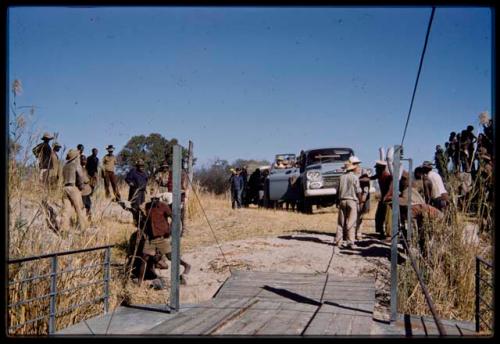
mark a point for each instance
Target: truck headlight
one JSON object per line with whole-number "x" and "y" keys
{"x": 315, "y": 185}
{"x": 313, "y": 176}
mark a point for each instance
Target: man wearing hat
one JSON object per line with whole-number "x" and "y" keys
{"x": 236, "y": 182}
{"x": 384, "y": 181}
{"x": 349, "y": 195}
{"x": 137, "y": 179}
{"x": 364, "y": 182}
{"x": 438, "y": 195}
{"x": 108, "y": 164}
{"x": 72, "y": 197}
{"x": 55, "y": 170}
{"x": 43, "y": 152}
{"x": 161, "y": 178}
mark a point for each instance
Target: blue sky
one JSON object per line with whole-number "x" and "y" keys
{"x": 252, "y": 82}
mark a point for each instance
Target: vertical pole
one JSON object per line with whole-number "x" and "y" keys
{"x": 176, "y": 227}
{"x": 53, "y": 292}
{"x": 107, "y": 257}
{"x": 190, "y": 179}
{"x": 394, "y": 233}
{"x": 409, "y": 215}
{"x": 478, "y": 271}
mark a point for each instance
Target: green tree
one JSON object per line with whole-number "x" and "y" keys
{"x": 153, "y": 149}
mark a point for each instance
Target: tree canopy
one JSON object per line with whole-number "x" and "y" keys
{"x": 154, "y": 149}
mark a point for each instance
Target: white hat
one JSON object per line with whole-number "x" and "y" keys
{"x": 354, "y": 160}
{"x": 348, "y": 166}
{"x": 381, "y": 162}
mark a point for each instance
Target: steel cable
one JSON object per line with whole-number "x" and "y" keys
{"x": 418, "y": 73}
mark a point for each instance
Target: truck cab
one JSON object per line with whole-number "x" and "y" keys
{"x": 320, "y": 171}
{"x": 283, "y": 167}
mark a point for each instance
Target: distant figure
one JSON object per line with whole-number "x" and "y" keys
{"x": 43, "y": 153}
{"x": 86, "y": 188}
{"x": 108, "y": 171}
{"x": 137, "y": 179}
{"x": 253, "y": 186}
{"x": 92, "y": 167}
{"x": 162, "y": 178}
{"x": 384, "y": 181}
{"x": 81, "y": 149}
{"x": 55, "y": 170}
{"x": 440, "y": 161}
{"x": 454, "y": 150}
{"x": 262, "y": 185}
{"x": 236, "y": 187}
{"x": 364, "y": 202}
{"x": 72, "y": 196}
{"x": 439, "y": 195}
{"x": 292, "y": 193}
{"x": 349, "y": 195}
{"x": 280, "y": 163}
{"x": 244, "y": 191}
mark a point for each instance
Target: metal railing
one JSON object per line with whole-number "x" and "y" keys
{"x": 52, "y": 295}
{"x": 479, "y": 300}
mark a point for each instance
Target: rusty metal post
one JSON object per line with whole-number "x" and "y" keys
{"x": 53, "y": 295}
{"x": 176, "y": 227}
{"x": 394, "y": 233}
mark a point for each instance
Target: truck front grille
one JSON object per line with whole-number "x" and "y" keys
{"x": 331, "y": 181}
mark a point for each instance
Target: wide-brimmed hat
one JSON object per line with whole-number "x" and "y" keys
{"x": 354, "y": 160}
{"x": 380, "y": 163}
{"x": 427, "y": 164}
{"x": 164, "y": 164}
{"x": 139, "y": 162}
{"x": 56, "y": 144}
{"x": 348, "y": 166}
{"x": 110, "y": 147}
{"x": 279, "y": 158}
{"x": 72, "y": 155}
{"x": 47, "y": 136}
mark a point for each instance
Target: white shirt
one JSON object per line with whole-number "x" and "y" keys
{"x": 437, "y": 184}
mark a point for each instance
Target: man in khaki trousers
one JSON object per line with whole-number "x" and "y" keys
{"x": 72, "y": 196}
{"x": 349, "y": 195}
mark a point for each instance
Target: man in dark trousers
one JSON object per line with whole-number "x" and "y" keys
{"x": 384, "y": 181}
{"x": 137, "y": 180}
{"x": 43, "y": 153}
{"x": 236, "y": 188}
{"x": 440, "y": 161}
{"x": 92, "y": 167}
{"x": 244, "y": 191}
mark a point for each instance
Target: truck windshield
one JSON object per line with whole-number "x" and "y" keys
{"x": 328, "y": 155}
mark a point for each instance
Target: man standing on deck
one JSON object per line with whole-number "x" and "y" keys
{"x": 384, "y": 181}
{"x": 349, "y": 195}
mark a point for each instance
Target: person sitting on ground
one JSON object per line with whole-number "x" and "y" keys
{"x": 152, "y": 221}
{"x": 439, "y": 194}
{"x": 421, "y": 212}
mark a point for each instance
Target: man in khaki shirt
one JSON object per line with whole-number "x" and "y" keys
{"x": 72, "y": 196}
{"x": 349, "y": 194}
{"x": 108, "y": 163}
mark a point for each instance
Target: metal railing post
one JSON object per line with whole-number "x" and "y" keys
{"x": 176, "y": 228}
{"x": 409, "y": 215}
{"x": 478, "y": 272}
{"x": 107, "y": 257}
{"x": 394, "y": 233}
{"x": 53, "y": 293}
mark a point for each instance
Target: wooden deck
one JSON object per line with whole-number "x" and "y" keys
{"x": 270, "y": 303}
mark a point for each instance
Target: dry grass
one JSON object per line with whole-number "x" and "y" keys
{"x": 449, "y": 268}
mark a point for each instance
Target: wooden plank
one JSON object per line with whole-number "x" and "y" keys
{"x": 252, "y": 319}
{"x": 289, "y": 321}
{"x": 194, "y": 316}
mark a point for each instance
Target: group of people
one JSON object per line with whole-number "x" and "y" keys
{"x": 79, "y": 178}
{"x": 246, "y": 189}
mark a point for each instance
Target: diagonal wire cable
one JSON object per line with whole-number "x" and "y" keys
{"x": 418, "y": 73}
{"x": 206, "y": 217}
